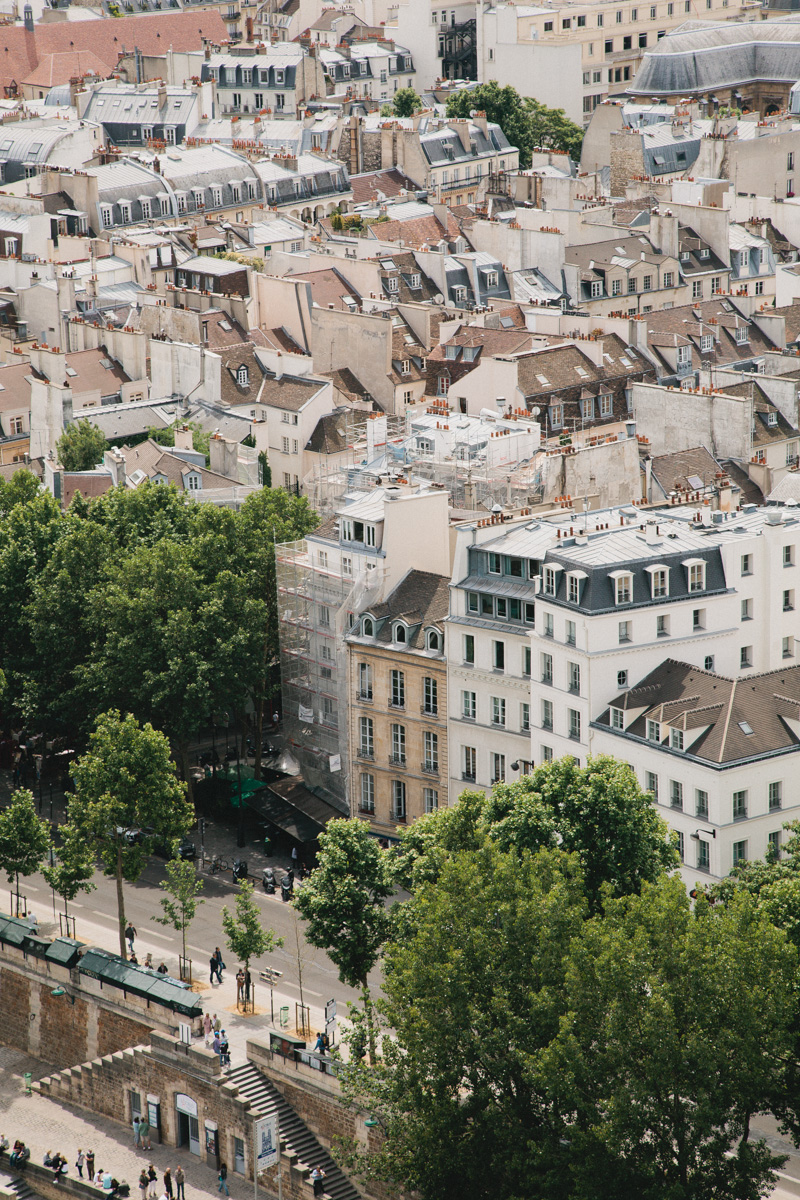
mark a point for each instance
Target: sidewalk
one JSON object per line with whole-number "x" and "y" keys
{"x": 45, "y": 1124}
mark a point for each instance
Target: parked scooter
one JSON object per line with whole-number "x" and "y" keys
{"x": 269, "y": 881}
{"x": 239, "y": 869}
{"x": 287, "y": 887}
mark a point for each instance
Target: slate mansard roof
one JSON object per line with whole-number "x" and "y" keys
{"x": 703, "y": 56}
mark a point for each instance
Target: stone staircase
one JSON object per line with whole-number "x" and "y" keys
{"x": 297, "y": 1141}
{"x": 14, "y": 1185}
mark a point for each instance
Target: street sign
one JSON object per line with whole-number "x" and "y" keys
{"x": 265, "y": 1133}
{"x": 330, "y": 1012}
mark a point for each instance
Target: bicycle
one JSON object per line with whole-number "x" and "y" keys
{"x": 218, "y": 863}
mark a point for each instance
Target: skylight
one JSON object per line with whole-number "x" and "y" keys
{"x": 746, "y": 727}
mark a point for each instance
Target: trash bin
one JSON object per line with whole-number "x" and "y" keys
{"x": 28, "y": 1078}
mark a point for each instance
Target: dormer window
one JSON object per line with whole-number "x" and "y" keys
{"x": 704, "y": 252}
{"x": 659, "y": 582}
{"x": 400, "y": 633}
{"x": 676, "y": 739}
{"x": 433, "y": 640}
{"x": 653, "y": 731}
{"x": 367, "y": 627}
{"x": 707, "y": 342}
{"x": 696, "y": 568}
{"x": 772, "y": 418}
{"x": 684, "y": 355}
{"x": 491, "y": 279}
{"x": 623, "y": 587}
{"x": 740, "y": 334}
{"x": 617, "y": 718}
{"x": 550, "y": 581}
{"x": 243, "y": 376}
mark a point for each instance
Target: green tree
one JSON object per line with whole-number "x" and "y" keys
{"x": 24, "y": 840}
{"x": 72, "y": 871}
{"x": 246, "y": 936}
{"x": 19, "y": 489}
{"x": 180, "y": 905}
{"x": 344, "y": 905}
{"x": 474, "y": 991}
{"x": 406, "y": 102}
{"x": 678, "y": 1031}
{"x": 81, "y": 446}
{"x": 126, "y": 781}
{"x": 599, "y": 812}
{"x": 526, "y": 122}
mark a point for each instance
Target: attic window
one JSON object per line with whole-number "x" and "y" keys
{"x": 746, "y": 728}
{"x": 740, "y": 334}
{"x": 243, "y": 376}
{"x": 543, "y": 380}
{"x": 71, "y": 371}
{"x": 772, "y": 418}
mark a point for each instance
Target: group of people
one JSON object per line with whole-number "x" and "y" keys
{"x": 217, "y": 966}
{"x": 19, "y": 1154}
{"x": 130, "y": 935}
{"x": 148, "y": 1184}
{"x": 59, "y": 1165}
{"x": 219, "y": 1042}
{"x": 141, "y": 1133}
{"x": 244, "y": 986}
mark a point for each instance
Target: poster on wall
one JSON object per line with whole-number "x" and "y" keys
{"x": 265, "y": 1133}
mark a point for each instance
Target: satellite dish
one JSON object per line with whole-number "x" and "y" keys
{"x": 439, "y": 298}
{"x": 536, "y": 411}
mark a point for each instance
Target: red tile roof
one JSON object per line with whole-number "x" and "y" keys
{"x": 153, "y": 33}
{"x": 54, "y": 69}
{"x": 390, "y": 183}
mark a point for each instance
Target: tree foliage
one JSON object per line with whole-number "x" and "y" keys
{"x": 72, "y": 871}
{"x": 246, "y": 935}
{"x": 406, "y": 102}
{"x": 24, "y": 839}
{"x": 81, "y": 446}
{"x": 181, "y": 902}
{"x": 599, "y": 812}
{"x": 126, "y": 782}
{"x": 344, "y": 904}
{"x": 540, "y": 1050}
{"x": 526, "y": 122}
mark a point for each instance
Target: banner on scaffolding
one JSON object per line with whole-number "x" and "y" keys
{"x": 335, "y": 762}
{"x": 305, "y": 714}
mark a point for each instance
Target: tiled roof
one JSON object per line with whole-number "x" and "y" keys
{"x": 724, "y": 720}
{"x": 673, "y": 471}
{"x": 330, "y": 434}
{"x": 421, "y": 598}
{"x": 90, "y": 373}
{"x": 389, "y": 183}
{"x": 328, "y": 287}
{"x": 345, "y": 381}
{"x": 154, "y": 460}
{"x": 53, "y": 69}
{"x": 152, "y": 33}
{"x": 417, "y": 232}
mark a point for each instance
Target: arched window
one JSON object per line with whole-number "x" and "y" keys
{"x": 243, "y": 376}
{"x": 368, "y": 627}
{"x": 433, "y": 639}
{"x": 400, "y": 633}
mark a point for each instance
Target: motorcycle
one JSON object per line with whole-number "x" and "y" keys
{"x": 269, "y": 881}
{"x": 287, "y": 887}
{"x": 239, "y": 869}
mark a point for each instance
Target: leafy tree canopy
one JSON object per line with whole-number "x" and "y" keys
{"x": 526, "y": 123}
{"x": 406, "y": 102}
{"x": 246, "y": 936}
{"x": 81, "y": 446}
{"x": 599, "y": 812}
{"x": 24, "y": 839}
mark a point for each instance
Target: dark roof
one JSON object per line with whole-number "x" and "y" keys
{"x": 749, "y": 492}
{"x": 330, "y": 433}
{"x": 692, "y": 321}
{"x": 233, "y": 357}
{"x": 345, "y": 381}
{"x": 421, "y": 599}
{"x": 673, "y": 471}
{"x": 389, "y": 183}
{"x": 723, "y": 720}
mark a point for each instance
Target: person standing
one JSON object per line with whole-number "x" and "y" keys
{"x": 248, "y": 983}
{"x": 153, "y": 1180}
{"x": 144, "y": 1130}
{"x": 144, "y": 1184}
{"x": 137, "y": 1131}
{"x": 223, "y": 1179}
{"x": 79, "y": 1161}
{"x": 90, "y": 1164}
{"x": 239, "y": 986}
{"x": 317, "y": 1178}
{"x": 212, "y": 970}
{"x": 217, "y": 1023}
{"x": 130, "y": 934}
{"x": 168, "y": 1182}
{"x": 207, "y": 1026}
{"x": 220, "y": 963}
{"x": 180, "y": 1179}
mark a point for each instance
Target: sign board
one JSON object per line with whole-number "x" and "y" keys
{"x": 185, "y": 1032}
{"x": 305, "y": 714}
{"x": 266, "y": 1148}
{"x": 330, "y": 1012}
{"x": 335, "y": 762}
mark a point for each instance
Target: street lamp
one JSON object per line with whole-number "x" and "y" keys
{"x": 60, "y": 991}
{"x": 695, "y": 837}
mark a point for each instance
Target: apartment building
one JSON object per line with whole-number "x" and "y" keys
{"x": 716, "y": 753}
{"x": 578, "y": 54}
{"x": 398, "y": 704}
{"x": 352, "y": 561}
{"x": 279, "y": 79}
{"x": 552, "y": 620}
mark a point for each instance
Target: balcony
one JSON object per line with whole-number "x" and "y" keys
{"x": 429, "y": 710}
{"x": 400, "y": 817}
{"x": 468, "y": 776}
{"x": 367, "y": 755}
{"x": 364, "y": 697}
{"x": 396, "y": 702}
{"x": 429, "y": 768}
{"x": 397, "y": 760}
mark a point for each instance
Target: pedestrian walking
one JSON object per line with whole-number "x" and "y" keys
{"x": 180, "y": 1179}
{"x": 213, "y": 970}
{"x": 220, "y": 963}
{"x": 137, "y": 1132}
{"x": 317, "y": 1178}
{"x": 153, "y": 1180}
{"x": 239, "y": 986}
{"x": 223, "y": 1179}
{"x": 217, "y": 1023}
{"x": 224, "y": 1056}
{"x": 144, "y": 1130}
{"x": 207, "y": 1026}
{"x": 90, "y": 1164}
{"x": 168, "y": 1182}
{"x": 144, "y": 1184}
{"x": 79, "y": 1161}
{"x": 130, "y": 934}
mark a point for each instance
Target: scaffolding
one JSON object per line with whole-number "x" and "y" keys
{"x": 316, "y": 602}
{"x": 334, "y": 472}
